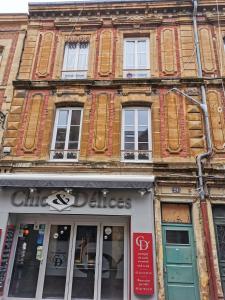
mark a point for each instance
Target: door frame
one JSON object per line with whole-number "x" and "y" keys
{"x": 74, "y": 221}
{"x": 181, "y": 227}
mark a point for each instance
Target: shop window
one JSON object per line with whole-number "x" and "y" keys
{"x": 75, "y": 62}
{"x": 136, "y": 58}
{"x": 136, "y": 142}
{"x": 66, "y": 135}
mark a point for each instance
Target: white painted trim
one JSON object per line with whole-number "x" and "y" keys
{"x": 75, "y": 177}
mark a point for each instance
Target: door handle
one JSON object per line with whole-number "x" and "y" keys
{"x": 165, "y": 270}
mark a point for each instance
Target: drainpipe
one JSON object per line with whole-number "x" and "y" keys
{"x": 199, "y": 159}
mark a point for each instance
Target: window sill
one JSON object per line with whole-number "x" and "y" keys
{"x": 63, "y": 160}
{"x": 137, "y": 161}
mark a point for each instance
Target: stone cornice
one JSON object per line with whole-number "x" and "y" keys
{"x": 212, "y": 17}
{"x": 117, "y": 83}
{"x": 13, "y": 19}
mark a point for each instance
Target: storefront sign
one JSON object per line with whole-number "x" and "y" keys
{"x": 60, "y": 200}
{"x": 82, "y": 199}
{"x": 5, "y": 256}
{"x": 143, "y": 264}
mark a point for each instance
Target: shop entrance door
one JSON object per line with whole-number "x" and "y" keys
{"x": 219, "y": 221}
{"x": 70, "y": 261}
{"x": 180, "y": 273}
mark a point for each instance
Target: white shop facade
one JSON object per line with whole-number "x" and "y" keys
{"x": 77, "y": 237}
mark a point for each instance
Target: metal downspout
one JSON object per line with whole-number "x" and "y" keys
{"x": 199, "y": 158}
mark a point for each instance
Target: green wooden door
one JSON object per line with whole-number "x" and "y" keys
{"x": 180, "y": 272}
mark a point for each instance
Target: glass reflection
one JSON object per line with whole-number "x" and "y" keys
{"x": 84, "y": 263}
{"x": 112, "y": 263}
{"x": 27, "y": 261}
{"x": 57, "y": 259}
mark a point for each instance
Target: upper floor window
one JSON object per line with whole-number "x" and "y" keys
{"x": 66, "y": 135}
{"x": 75, "y": 64}
{"x": 136, "y": 136}
{"x": 136, "y": 58}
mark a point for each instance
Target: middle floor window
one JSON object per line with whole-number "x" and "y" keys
{"x": 136, "y": 144}
{"x": 66, "y": 135}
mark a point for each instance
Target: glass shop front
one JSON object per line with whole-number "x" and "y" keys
{"x": 83, "y": 251}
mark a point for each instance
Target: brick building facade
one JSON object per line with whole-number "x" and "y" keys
{"x": 107, "y": 138}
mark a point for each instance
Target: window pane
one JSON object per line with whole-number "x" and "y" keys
{"x": 56, "y": 267}
{"x": 143, "y": 135}
{"x": 27, "y": 261}
{"x": 84, "y": 263}
{"x": 112, "y": 263}
{"x": 75, "y": 119}
{"x": 61, "y": 135}
{"x": 73, "y": 145}
{"x": 141, "y": 54}
{"x": 130, "y": 61}
{"x": 129, "y": 146}
{"x": 143, "y": 146}
{"x": 129, "y": 136}
{"x": 69, "y": 56}
{"x": 130, "y": 55}
{"x": 141, "y": 61}
{"x": 143, "y": 117}
{"x": 141, "y": 46}
{"x": 82, "y": 57}
{"x": 74, "y": 133}
{"x": 129, "y": 117}
{"x": 63, "y": 117}
{"x": 130, "y": 47}
{"x": 59, "y": 146}
{"x": 177, "y": 237}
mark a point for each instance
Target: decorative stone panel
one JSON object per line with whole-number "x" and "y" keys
{"x": 216, "y": 112}
{"x": 44, "y": 55}
{"x": 172, "y": 116}
{"x": 168, "y": 51}
{"x": 33, "y": 119}
{"x": 105, "y": 53}
{"x": 101, "y": 123}
{"x": 207, "y": 51}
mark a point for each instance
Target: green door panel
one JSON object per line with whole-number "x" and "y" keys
{"x": 178, "y": 255}
{"x": 177, "y": 292}
{"x": 182, "y": 274}
{"x": 180, "y": 270}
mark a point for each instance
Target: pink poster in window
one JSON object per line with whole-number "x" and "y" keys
{"x": 143, "y": 264}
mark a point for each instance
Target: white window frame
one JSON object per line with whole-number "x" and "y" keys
{"x": 136, "y": 72}
{"x": 136, "y": 160}
{"x": 65, "y": 150}
{"x": 76, "y": 73}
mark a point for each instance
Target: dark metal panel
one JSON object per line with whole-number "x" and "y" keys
{"x": 76, "y": 184}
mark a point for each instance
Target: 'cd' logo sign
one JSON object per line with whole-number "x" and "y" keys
{"x": 142, "y": 243}
{"x": 60, "y": 200}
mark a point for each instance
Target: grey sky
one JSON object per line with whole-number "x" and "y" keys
{"x": 21, "y": 6}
